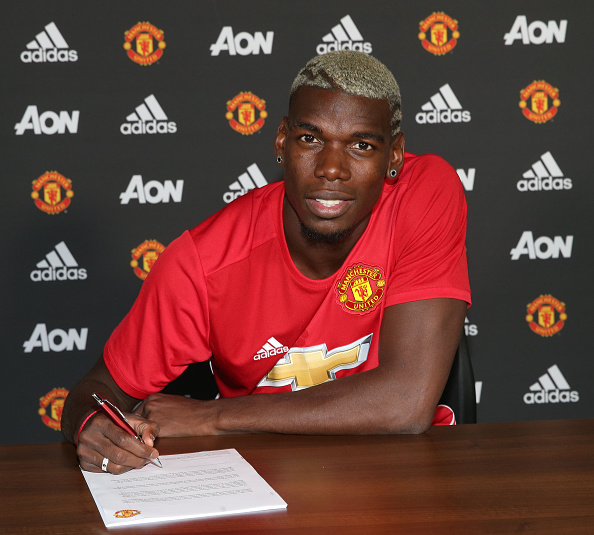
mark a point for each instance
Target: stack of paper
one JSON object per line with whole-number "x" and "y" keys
{"x": 191, "y": 485}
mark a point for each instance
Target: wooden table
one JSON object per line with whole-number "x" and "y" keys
{"x": 535, "y": 477}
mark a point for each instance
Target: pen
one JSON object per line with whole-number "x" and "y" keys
{"x": 118, "y": 418}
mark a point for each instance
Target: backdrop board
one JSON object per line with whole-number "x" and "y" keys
{"x": 123, "y": 124}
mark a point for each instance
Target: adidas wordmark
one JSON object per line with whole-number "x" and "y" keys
{"x": 344, "y": 36}
{"x": 551, "y": 387}
{"x": 545, "y": 175}
{"x": 58, "y": 265}
{"x": 443, "y": 107}
{"x": 48, "y": 46}
{"x": 271, "y": 348}
{"x": 148, "y": 118}
{"x": 245, "y": 182}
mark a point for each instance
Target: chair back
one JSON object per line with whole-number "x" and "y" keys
{"x": 459, "y": 392}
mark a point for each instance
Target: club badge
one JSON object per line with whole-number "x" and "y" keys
{"x": 144, "y": 43}
{"x": 360, "y": 288}
{"x": 126, "y": 513}
{"x": 546, "y": 315}
{"x": 50, "y": 407}
{"x": 439, "y": 33}
{"x": 539, "y": 101}
{"x": 144, "y": 257}
{"x": 246, "y": 113}
{"x": 52, "y": 192}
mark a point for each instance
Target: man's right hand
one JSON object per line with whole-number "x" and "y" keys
{"x": 101, "y": 439}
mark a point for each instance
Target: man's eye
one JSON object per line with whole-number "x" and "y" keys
{"x": 308, "y": 138}
{"x": 363, "y": 145}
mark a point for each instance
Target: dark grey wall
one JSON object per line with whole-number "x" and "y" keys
{"x": 52, "y": 331}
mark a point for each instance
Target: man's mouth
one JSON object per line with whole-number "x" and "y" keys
{"x": 327, "y": 203}
{"x": 328, "y": 208}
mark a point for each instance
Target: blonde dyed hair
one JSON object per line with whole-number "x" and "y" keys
{"x": 355, "y": 73}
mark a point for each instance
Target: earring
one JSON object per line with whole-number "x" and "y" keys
{"x": 393, "y": 173}
{"x": 279, "y": 159}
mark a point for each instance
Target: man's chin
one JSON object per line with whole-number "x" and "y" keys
{"x": 317, "y": 237}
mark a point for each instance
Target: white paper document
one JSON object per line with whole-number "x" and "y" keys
{"x": 191, "y": 485}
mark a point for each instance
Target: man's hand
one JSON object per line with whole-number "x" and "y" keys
{"x": 179, "y": 416}
{"x": 101, "y": 438}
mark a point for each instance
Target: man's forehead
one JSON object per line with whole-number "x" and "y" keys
{"x": 308, "y": 103}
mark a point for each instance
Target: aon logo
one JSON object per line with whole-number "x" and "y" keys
{"x": 537, "y": 32}
{"x": 56, "y": 340}
{"x": 152, "y": 192}
{"x": 48, "y": 122}
{"x": 243, "y": 43}
{"x": 543, "y": 247}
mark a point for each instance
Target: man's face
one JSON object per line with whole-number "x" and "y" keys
{"x": 337, "y": 150}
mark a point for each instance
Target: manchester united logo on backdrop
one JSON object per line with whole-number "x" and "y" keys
{"x": 539, "y": 101}
{"x": 50, "y": 407}
{"x": 52, "y": 192}
{"x": 546, "y": 315}
{"x": 360, "y": 288}
{"x": 246, "y": 113}
{"x": 144, "y": 256}
{"x": 439, "y": 33}
{"x": 144, "y": 43}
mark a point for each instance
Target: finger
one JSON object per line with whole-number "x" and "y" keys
{"x": 147, "y": 430}
{"x": 111, "y": 459}
{"x": 105, "y": 439}
{"x": 94, "y": 461}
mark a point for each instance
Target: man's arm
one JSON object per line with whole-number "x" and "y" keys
{"x": 417, "y": 344}
{"x": 100, "y": 437}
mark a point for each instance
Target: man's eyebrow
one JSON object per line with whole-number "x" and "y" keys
{"x": 370, "y": 135}
{"x": 307, "y": 126}
{"x": 362, "y": 135}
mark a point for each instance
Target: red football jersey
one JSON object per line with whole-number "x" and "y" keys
{"x": 228, "y": 289}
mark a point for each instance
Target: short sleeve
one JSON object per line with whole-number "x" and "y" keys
{"x": 167, "y": 327}
{"x": 430, "y": 234}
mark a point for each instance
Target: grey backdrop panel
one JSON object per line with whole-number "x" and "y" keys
{"x": 496, "y": 148}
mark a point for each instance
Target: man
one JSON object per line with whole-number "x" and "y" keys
{"x": 342, "y": 290}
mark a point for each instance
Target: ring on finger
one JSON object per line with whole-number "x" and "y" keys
{"x": 104, "y": 464}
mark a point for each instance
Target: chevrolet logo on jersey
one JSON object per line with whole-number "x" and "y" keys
{"x": 303, "y": 367}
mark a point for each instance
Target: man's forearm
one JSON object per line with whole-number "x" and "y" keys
{"x": 417, "y": 345}
{"x": 364, "y": 403}
{"x": 416, "y": 348}
{"x": 79, "y": 403}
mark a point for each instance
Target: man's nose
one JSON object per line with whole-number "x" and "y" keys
{"x": 332, "y": 164}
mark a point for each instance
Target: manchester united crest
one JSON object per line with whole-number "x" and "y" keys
{"x": 360, "y": 288}
{"x": 50, "y": 407}
{"x": 144, "y": 43}
{"x": 246, "y": 113}
{"x": 52, "y": 192}
{"x": 144, "y": 256}
{"x": 126, "y": 513}
{"x": 546, "y": 315}
{"x": 539, "y": 101}
{"x": 439, "y": 33}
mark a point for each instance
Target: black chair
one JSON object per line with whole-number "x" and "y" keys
{"x": 459, "y": 393}
{"x": 196, "y": 382}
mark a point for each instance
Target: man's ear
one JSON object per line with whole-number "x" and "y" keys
{"x": 397, "y": 149}
{"x": 281, "y": 137}
{"x": 396, "y": 156}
